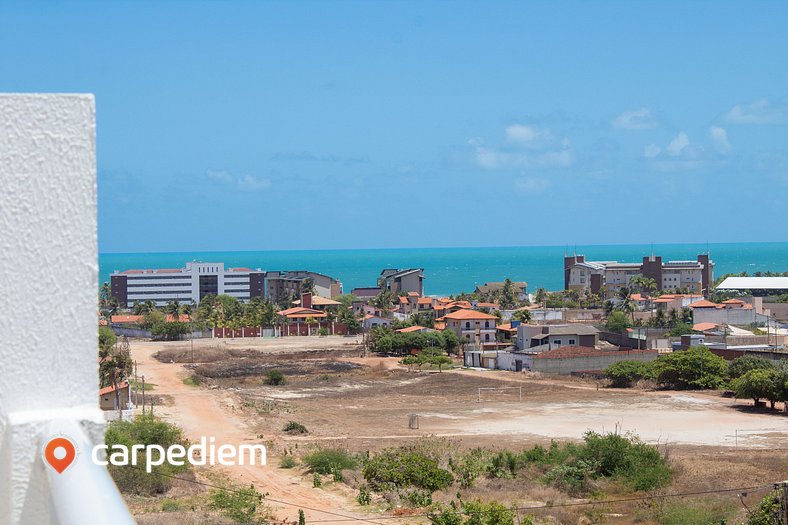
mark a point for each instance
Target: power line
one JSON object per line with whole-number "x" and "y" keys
{"x": 299, "y": 506}
{"x": 424, "y": 515}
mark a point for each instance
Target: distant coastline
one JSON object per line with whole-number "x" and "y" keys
{"x": 452, "y": 270}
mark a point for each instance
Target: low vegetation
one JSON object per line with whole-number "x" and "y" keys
{"x": 329, "y": 460}
{"x": 293, "y": 427}
{"x": 388, "y": 341}
{"x": 750, "y": 377}
{"x": 275, "y": 377}
{"x": 240, "y": 504}
{"x": 145, "y": 430}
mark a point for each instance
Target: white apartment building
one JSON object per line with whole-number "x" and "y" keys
{"x": 188, "y": 284}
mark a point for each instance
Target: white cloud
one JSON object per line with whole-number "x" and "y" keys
{"x": 759, "y": 112}
{"x": 636, "y": 119}
{"x": 651, "y": 151}
{"x": 525, "y": 147}
{"x": 719, "y": 138}
{"x": 244, "y": 182}
{"x": 677, "y": 145}
{"x": 680, "y": 154}
{"x": 528, "y": 136}
{"x": 532, "y": 185}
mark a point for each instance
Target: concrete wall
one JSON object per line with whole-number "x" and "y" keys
{"x": 48, "y": 270}
{"x": 567, "y": 365}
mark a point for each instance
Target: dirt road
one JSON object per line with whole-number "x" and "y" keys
{"x": 203, "y": 412}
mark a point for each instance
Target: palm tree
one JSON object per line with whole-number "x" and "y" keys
{"x": 524, "y": 316}
{"x": 627, "y": 305}
{"x": 174, "y": 309}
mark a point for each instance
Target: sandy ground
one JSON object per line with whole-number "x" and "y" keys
{"x": 368, "y": 408}
{"x": 204, "y": 412}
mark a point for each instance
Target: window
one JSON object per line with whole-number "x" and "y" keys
{"x": 571, "y": 341}
{"x": 486, "y": 337}
{"x": 467, "y": 325}
{"x": 556, "y": 341}
{"x": 487, "y": 324}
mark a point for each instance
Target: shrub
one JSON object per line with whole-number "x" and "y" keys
{"x": 418, "y": 498}
{"x": 240, "y": 504}
{"x": 146, "y": 430}
{"x": 467, "y": 467}
{"x": 169, "y": 331}
{"x": 294, "y": 428}
{"x": 274, "y": 377}
{"x": 625, "y": 373}
{"x": 327, "y": 460}
{"x": 476, "y": 513}
{"x": 403, "y": 468}
{"x": 364, "y": 497}
{"x": 503, "y": 465}
{"x": 764, "y": 513}
{"x": 287, "y": 462}
{"x": 637, "y": 464}
{"x": 107, "y": 338}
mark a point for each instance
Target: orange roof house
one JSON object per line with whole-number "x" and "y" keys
{"x": 301, "y": 313}
{"x": 703, "y": 303}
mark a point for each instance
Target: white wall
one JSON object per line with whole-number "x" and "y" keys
{"x": 48, "y": 287}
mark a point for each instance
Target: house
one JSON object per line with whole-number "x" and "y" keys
{"x": 415, "y": 329}
{"x": 676, "y": 302}
{"x": 730, "y": 312}
{"x": 487, "y": 289}
{"x": 315, "y": 301}
{"x": 448, "y": 306}
{"x": 538, "y": 338}
{"x": 109, "y": 399}
{"x": 609, "y": 276}
{"x": 371, "y": 321}
{"x": 473, "y": 327}
{"x": 412, "y": 303}
{"x": 398, "y": 281}
{"x": 300, "y": 314}
{"x": 492, "y": 307}
{"x": 365, "y": 293}
{"x": 507, "y": 332}
{"x": 280, "y": 285}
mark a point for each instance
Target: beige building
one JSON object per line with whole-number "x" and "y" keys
{"x": 609, "y": 276}
{"x": 472, "y": 327}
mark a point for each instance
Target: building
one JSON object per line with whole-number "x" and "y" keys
{"x": 109, "y": 399}
{"x": 188, "y": 284}
{"x": 280, "y": 285}
{"x": 730, "y": 312}
{"x": 411, "y": 304}
{"x": 365, "y": 293}
{"x": 371, "y": 321}
{"x": 520, "y": 289}
{"x": 301, "y": 315}
{"x": 608, "y": 276}
{"x": 539, "y": 338}
{"x": 473, "y": 327}
{"x": 399, "y": 281}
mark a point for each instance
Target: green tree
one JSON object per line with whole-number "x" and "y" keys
{"x": 626, "y": 373}
{"x": 618, "y": 322}
{"x": 757, "y": 384}
{"x": 173, "y": 309}
{"x": 508, "y": 297}
{"x": 741, "y": 365}
{"x": 696, "y": 367}
{"x": 107, "y": 339}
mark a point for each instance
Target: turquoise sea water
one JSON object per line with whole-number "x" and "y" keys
{"x": 451, "y": 270}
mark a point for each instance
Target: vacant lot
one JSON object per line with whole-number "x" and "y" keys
{"x": 364, "y": 404}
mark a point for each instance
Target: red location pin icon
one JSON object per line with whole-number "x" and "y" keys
{"x": 60, "y": 453}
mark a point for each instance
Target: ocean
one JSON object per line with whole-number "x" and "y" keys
{"x": 453, "y": 270}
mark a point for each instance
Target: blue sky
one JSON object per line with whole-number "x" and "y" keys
{"x": 279, "y": 125}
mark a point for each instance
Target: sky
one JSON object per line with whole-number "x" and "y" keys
{"x": 341, "y": 124}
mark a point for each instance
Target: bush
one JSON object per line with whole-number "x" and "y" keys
{"x": 294, "y": 428}
{"x": 626, "y": 373}
{"x": 242, "y": 505}
{"x": 476, "y": 513}
{"x": 680, "y": 329}
{"x": 364, "y": 497}
{"x": 637, "y": 464}
{"x": 275, "y": 377}
{"x": 146, "y": 430}
{"x": 403, "y": 467}
{"x": 107, "y": 338}
{"x": 328, "y": 460}
{"x": 764, "y": 514}
{"x": 469, "y": 466}
{"x": 169, "y": 331}
{"x": 287, "y": 462}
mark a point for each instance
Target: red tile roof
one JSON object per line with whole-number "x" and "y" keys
{"x": 111, "y": 388}
{"x": 301, "y": 312}
{"x": 120, "y": 319}
{"x": 703, "y": 303}
{"x": 415, "y": 328}
{"x": 469, "y": 314}
{"x": 702, "y": 327}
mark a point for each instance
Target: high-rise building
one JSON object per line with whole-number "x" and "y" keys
{"x": 694, "y": 276}
{"x": 188, "y": 284}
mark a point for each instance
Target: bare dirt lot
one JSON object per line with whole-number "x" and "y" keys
{"x": 364, "y": 403}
